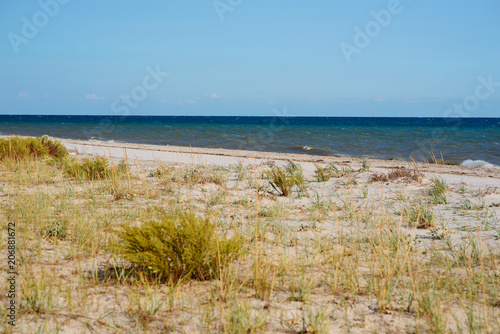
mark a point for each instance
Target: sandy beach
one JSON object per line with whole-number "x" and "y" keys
{"x": 226, "y": 157}
{"x": 350, "y": 252}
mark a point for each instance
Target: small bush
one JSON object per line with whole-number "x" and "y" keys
{"x": 97, "y": 168}
{"x": 54, "y": 147}
{"x": 178, "y": 247}
{"x": 88, "y": 169}
{"x": 17, "y": 148}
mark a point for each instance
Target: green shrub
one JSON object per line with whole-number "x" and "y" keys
{"x": 97, "y": 168}
{"x": 178, "y": 247}
{"x": 17, "y": 148}
{"x": 54, "y": 147}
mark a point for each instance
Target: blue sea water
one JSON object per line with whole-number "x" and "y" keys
{"x": 455, "y": 139}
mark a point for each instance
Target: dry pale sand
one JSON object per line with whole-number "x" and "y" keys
{"x": 150, "y": 154}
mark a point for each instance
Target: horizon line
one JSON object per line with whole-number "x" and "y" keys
{"x": 269, "y": 116}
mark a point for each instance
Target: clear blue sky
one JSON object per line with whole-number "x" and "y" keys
{"x": 249, "y": 57}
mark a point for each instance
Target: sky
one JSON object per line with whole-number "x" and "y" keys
{"x": 251, "y": 58}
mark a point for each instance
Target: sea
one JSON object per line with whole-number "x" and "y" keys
{"x": 455, "y": 140}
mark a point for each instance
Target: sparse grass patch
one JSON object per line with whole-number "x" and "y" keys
{"x": 202, "y": 175}
{"x": 301, "y": 286}
{"x": 241, "y": 318}
{"x": 283, "y": 180}
{"x": 37, "y": 294}
{"x": 146, "y": 305}
{"x": 218, "y": 197}
{"x": 29, "y": 171}
{"x": 316, "y": 320}
{"x": 322, "y": 174}
{"x": 340, "y": 172}
{"x": 466, "y": 205}
{"x": 437, "y": 191}
{"x": 419, "y": 215}
{"x": 271, "y": 211}
{"x": 241, "y": 172}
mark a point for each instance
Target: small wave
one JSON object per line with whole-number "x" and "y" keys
{"x": 476, "y": 164}
{"x": 110, "y": 141}
{"x": 312, "y": 150}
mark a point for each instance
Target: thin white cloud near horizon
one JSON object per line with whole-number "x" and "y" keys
{"x": 22, "y": 95}
{"x": 93, "y": 96}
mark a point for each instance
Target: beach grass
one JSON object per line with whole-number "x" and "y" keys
{"x": 118, "y": 247}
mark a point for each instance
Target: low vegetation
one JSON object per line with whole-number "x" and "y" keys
{"x": 285, "y": 179}
{"x": 437, "y": 191}
{"x": 118, "y": 247}
{"x": 17, "y": 148}
{"x": 178, "y": 246}
{"x": 92, "y": 169}
{"x": 399, "y": 173}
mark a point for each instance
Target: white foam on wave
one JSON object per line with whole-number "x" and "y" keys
{"x": 476, "y": 164}
{"x": 307, "y": 148}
